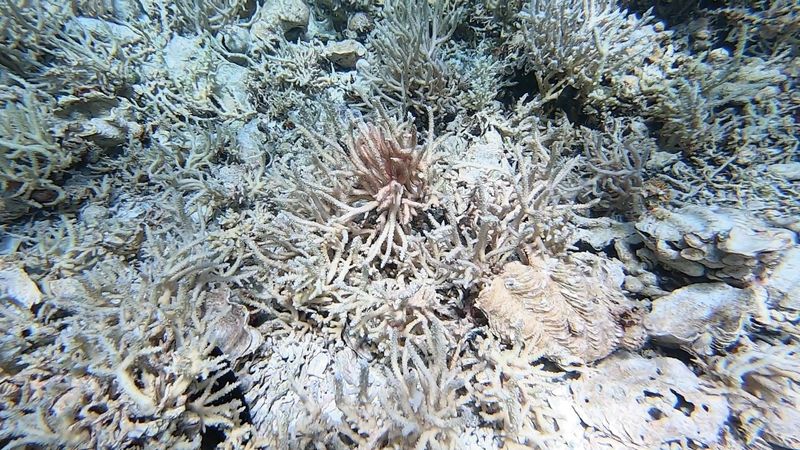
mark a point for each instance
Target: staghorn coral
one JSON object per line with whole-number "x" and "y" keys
{"x": 578, "y": 43}
{"x": 290, "y": 390}
{"x": 132, "y": 361}
{"x": 214, "y": 274}
{"x": 506, "y": 200}
{"x": 31, "y": 160}
{"x": 565, "y": 315}
{"x": 509, "y": 389}
{"x": 408, "y": 54}
{"x": 51, "y": 44}
{"x": 372, "y": 311}
{"x": 418, "y": 401}
{"x": 768, "y": 26}
{"x": 615, "y": 164}
{"x": 307, "y": 391}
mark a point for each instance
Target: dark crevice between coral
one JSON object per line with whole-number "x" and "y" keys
{"x": 248, "y": 10}
{"x": 212, "y": 436}
{"x": 568, "y": 103}
{"x": 521, "y": 84}
{"x": 294, "y": 34}
{"x": 676, "y": 353}
{"x": 671, "y": 12}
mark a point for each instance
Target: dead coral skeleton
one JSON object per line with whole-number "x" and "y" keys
{"x": 765, "y": 391}
{"x": 420, "y": 402}
{"x": 629, "y": 402}
{"x": 508, "y": 201}
{"x": 509, "y": 389}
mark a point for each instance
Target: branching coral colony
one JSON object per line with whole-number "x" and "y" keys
{"x": 392, "y": 175}
{"x": 402, "y": 224}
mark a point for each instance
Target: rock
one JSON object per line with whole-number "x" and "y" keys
{"x": 789, "y": 171}
{"x": 660, "y": 160}
{"x": 750, "y": 242}
{"x": 182, "y": 54}
{"x": 359, "y": 23}
{"x": 252, "y": 147}
{"x": 16, "y": 285}
{"x": 763, "y": 384}
{"x": 235, "y": 39}
{"x": 113, "y": 32}
{"x": 700, "y": 317}
{"x": 286, "y": 17}
{"x": 231, "y": 88}
{"x": 345, "y": 53}
{"x": 783, "y": 284}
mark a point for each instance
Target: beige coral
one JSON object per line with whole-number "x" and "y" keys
{"x": 392, "y": 178}
{"x": 567, "y": 314}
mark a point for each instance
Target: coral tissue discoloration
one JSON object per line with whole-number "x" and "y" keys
{"x": 551, "y": 307}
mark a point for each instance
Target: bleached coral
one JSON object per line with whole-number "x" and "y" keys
{"x": 513, "y": 392}
{"x": 615, "y": 164}
{"x": 290, "y": 391}
{"x": 419, "y": 402}
{"x": 408, "y": 54}
{"x": 392, "y": 177}
{"x": 721, "y": 243}
{"x": 238, "y": 246}
{"x": 510, "y": 200}
{"x": 578, "y": 43}
{"x": 134, "y": 358}
{"x": 31, "y": 160}
{"x": 765, "y": 392}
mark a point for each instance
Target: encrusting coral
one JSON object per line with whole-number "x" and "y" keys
{"x": 632, "y": 402}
